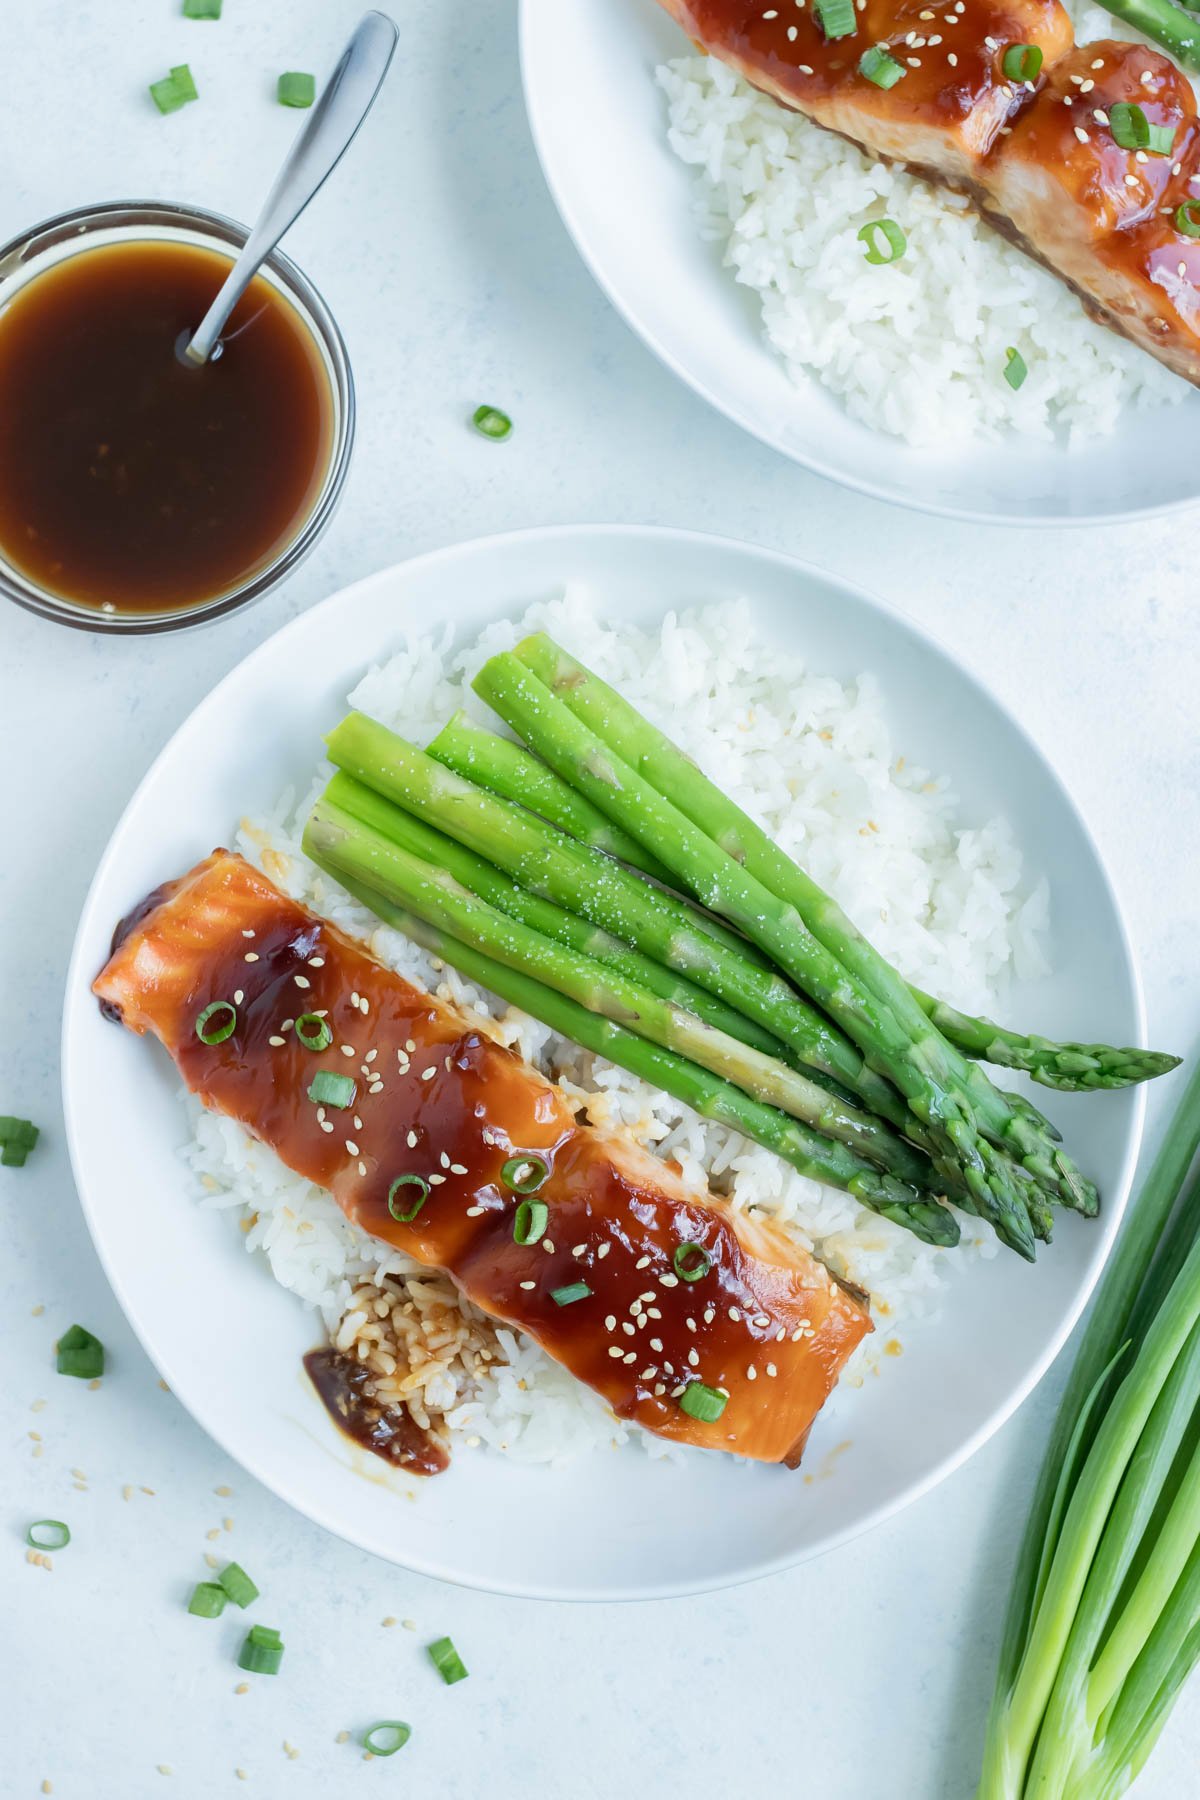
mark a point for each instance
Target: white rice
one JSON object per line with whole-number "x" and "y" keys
{"x": 813, "y": 759}
{"x": 916, "y": 349}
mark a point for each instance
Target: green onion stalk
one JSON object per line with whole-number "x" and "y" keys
{"x": 1103, "y": 1625}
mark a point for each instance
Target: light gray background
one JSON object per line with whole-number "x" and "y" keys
{"x": 863, "y": 1674}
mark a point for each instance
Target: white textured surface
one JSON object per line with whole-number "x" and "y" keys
{"x": 862, "y": 1674}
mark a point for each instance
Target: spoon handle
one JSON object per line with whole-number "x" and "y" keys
{"x": 328, "y": 132}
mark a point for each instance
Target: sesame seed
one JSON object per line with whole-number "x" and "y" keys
{"x": 276, "y": 1041}
{"x": 1098, "y": 64}
{"x": 239, "y": 994}
{"x": 474, "y": 1212}
{"x": 694, "y": 1358}
{"x": 412, "y": 1140}
{"x": 1147, "y": 75}
{"x": 734, "y": 1314}
{"x": 437, "y": 1181}
{"x": 1140, "y": 156}
{"x": 458, "y": 1168}
{"x": 952, "y": 60}
{"x": 1183, "y": 268}
{"x": 656, "y": 1344}
{"x": 527, "y": 1285}
{"x": 370, "y": 1056}
{"x": 326, "y": 1125}
{"x": 362, "y": 1168}
{"x": 691, "y": 1324}
{"x": 669, "y": 1281}
{"x": 793, "y": 34}
{"x": 710, "y": 1315}
{"x": 647, "y": 1374}
{"x": 444, "y": 1160}
{"x": 615, "y": 1350}
{"x": 751, "y": 1372}
{"x": 578, "y": 1249}
{"x": 771, "y": 1369}
{"x": 250, "y": 956}
{"x": 428, "y": 1074}
{"x": 627, "y": 1328}
{"x": 246, "y": 933}
{"x": 914, "y": 62}
{"x": 316, "y": 962}
{"x": 643, "y": 1262}
{"x": 351, "y": 1147}
{"x": 610, "y": 1323}
{"x": 631, "y": 1358}
{"x": 1085, "y": 87}
{"x": 773, "y": 14}
{"x": 602, "y": 1252}
{"x": 548, "y": 1246}
{"x": 1131, "y": 181}
{"x": 1081, "y": 134}
{"x": 659, "y": 1390}
{"x": 348, "y": 1050}
{"x": 1100, "y": 116}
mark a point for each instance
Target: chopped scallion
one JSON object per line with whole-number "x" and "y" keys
{"x": 1161, "y": 141}
{"x": 1132, "y": 130}
{"x": 202, "y": 9}
{"x": 567, "y": 1296}
{"x": 446, "y": 1660}
{"x": 262, "y": 1652}
{"x": 525, "y": 1174}
{"x": 1187, "y": 218}
{"x": 327, "y": 1088}
{"x": 402, "y": 1182}
{"x": 894, "y": 242}
{"x": 530, "y": 1221}
{"x": 703, "y": 1403}
{"x": 237, "y": 1584}
{"x": 296, "y": 89}
{"x": 313, "y": 1031}
{"x": 208, "y": 1600}
{"x": 174, "y": 90}
{"x": 387, "y": 1737}
{"x": 880, "y": 68}
{"x": 1022, "y": 62}
{"x": 48, "y": 1534}
{"x": 80, "y": 1354}
{"x": 837, "y": 18}
{"x": 692, "y": 1262}
{"x": 1014, "y": 368}
{"x": 17, "y": 1139}
{"x": 217, "y": 1022}
{"x": 492, "y": 423}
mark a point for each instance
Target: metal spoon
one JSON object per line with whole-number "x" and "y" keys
{"x": 328, "y": 132}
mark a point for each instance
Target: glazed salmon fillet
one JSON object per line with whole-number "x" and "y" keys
{"x": 1038, "y": 157}
{"x": 443, "y": 1131}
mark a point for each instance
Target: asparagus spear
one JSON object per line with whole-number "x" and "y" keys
{"x": 916, "y": 1063}
{"x": 505, "y": 768}
{"x": 583, "y": 881}
{"x": 662, "y": 926}
{"x": 613, "y": 729}
{"x": 706, "y": 1094}
{"x": 336, "y": 837}
{"x": 1065, "y": 1066}
{"x": 486, "y": 881}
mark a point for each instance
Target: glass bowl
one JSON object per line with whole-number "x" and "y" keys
{"x": 25, "y": 257}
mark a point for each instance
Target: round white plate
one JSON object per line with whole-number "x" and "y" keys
{"x": 599, "y": 123}
{"x": 229, "y": 1341}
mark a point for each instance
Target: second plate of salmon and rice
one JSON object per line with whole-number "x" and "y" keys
{"x": 596, "y": 1044}
{"x": 970, "y": 231}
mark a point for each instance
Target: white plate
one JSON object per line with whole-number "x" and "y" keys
{"x": 599, "y": 124}
{"x": 228, "y": 1340}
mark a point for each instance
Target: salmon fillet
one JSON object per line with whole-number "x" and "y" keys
{"x": 1038, "y": 158}
{"x": 440, "y": 1113}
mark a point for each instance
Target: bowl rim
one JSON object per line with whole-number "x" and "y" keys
{"x": 811, "y": 460}
{"x": 166, "y": 219}
{"x": 78, "y": 983}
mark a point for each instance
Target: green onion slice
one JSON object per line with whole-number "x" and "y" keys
{"x": 1022, "y": 62}
{"x": 407, "y": 1181}
{"x": 217, "y": 1022}
{"x": 17, "y": 1139}
{"x": 208, "y": 1600}
{"x": 692, "y": 1262}
{"x": 80, "y": 1354}
{"x": 530, "y": 1221}
{"x": 296, "y": 89}
{"x": 237, "y": 1585}
{"x": 446, "y": 1660}
{"x": 174, "y": 90}
{"x": 202, "y": 9}
{"x": 525, "y": 1174}
{"x": 703, "y": 1403}
{"x": 262, "y": 1652}
{"x": 894, "y": 241}
{"x": 492, "y": 423}
{"x": 837, "y": 18}
{"x": 1132, "y": 130}
{"x": 1014, "y": 368}
{"x": 881, "y": 68}
{"x": 385, "y": 1738}
{"x": 1187, "y": 218}
{"x": 330, "y": 1089}
{"x": 48, "y": 1534}
{"x": 313, "y": 1031}
{"x": 567, "y": 1296}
